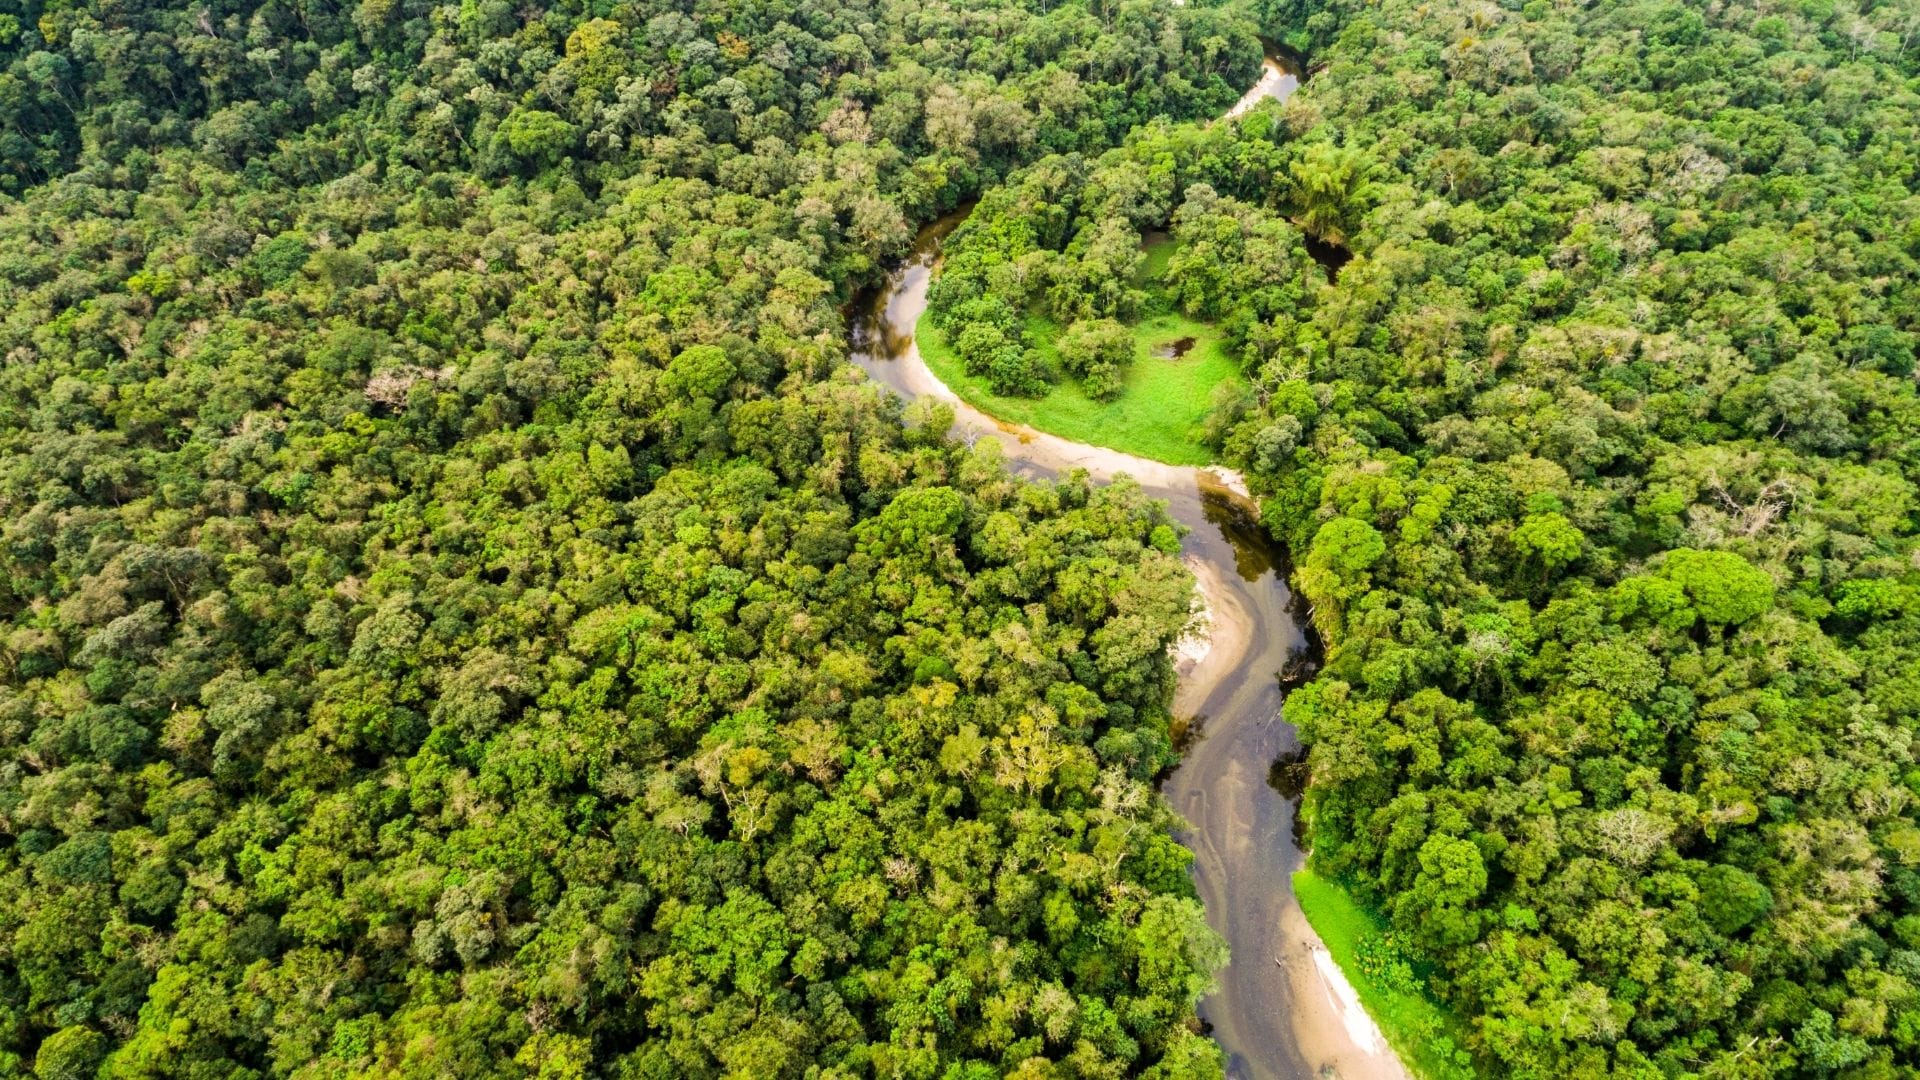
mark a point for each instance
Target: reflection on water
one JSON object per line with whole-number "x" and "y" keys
{"x": 1254, "y": 552}
{"x": 880, "y": 326}
{"x": 1288, "y": 776}
{"x": 1184, "y": 731}
{"x": 1279, "y": 78}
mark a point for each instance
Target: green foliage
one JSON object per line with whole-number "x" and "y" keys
{"x": 1732, "y": 899}
{"x": 1723, "y": 587}
{"x": 1379, "y": 959}
{"x": 1330, "y": 190}
{"x": 1346, "y": 546}
{"x": 1335, "y": 571}
{"x": 72, "y": 1053}
{"x": 1098, "y": 352}
{"x": 1388, "y": 979}
{"x": 702, "y": 371}
{"x": 457, "y": 617}
{"x": 535, "y": 136}
{"x": 1549, "y": 538}
{"x": 1159, "y": 411}
{"x": 1605, "y": 500}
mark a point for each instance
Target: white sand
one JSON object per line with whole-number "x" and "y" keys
{"x": 1194, "y": 645}
{"x": 1361, "y": 1030}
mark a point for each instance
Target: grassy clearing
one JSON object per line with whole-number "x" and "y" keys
{"x": 1419, "y": 1028}
{"x": 1153, "y": 269}
{"x": 1156, "y": 416}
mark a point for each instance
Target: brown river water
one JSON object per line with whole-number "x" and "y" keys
{"x": 1282, "y": 1010}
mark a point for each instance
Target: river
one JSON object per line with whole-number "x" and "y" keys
{"x": 1282, "y": 1011}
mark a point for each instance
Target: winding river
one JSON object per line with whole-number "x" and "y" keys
{"x": 1282, "y": 1010}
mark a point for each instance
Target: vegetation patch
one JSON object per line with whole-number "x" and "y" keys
{"x": 1052, "y": 310}
{"x": 1160, "y": 409}
{"x": 1391, "y": 984}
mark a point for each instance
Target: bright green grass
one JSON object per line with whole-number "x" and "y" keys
{"x": 1413, "y": 1022}
{"x": 1157, "y": 414}
{"x": 1153, "y": 268}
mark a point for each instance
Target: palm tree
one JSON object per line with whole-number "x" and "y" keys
{"x": 1331, "y": 187}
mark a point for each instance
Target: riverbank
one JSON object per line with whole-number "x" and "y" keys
{"x": 1326, "y": 1018}
{"x": 1417, "y": 1028}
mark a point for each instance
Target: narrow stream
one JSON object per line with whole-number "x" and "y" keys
{"x": 1282, "y": 1010}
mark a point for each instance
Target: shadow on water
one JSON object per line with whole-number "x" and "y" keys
{"x": 1174, "y": 350}
{"x": 1332, "y": 257}
{"x": 1288, "y": 775}
{"x": 1255, "y": 553}
{"x": 1184, "y": 731}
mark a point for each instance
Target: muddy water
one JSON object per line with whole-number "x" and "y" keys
{"x": 1282, "y": 1010}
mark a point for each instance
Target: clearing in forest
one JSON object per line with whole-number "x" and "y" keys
{"x": 1156, "y": 405}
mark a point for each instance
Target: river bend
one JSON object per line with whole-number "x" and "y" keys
{"x": 1282, "y": 1010}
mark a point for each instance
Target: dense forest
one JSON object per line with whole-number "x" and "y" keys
{"x": 463, "y": 617}
{"x": 459, "y": 616}
{"x": 1600, "y": 462}
{"x": 1580, "y": 357}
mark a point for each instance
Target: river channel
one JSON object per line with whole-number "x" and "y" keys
{"x": 1282, "y": 1010}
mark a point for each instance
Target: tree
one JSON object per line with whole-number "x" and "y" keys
{"x": 72, "y": 1053}
{"x": 1098, "y": 352}
{"x": 1731, "y": 898}
{"x": 1436, "y": 907}
{"x": 1330, "y": 190}
{"x": 536, "y": 136}
{"x": 1549, "y": 537}
{"x": 1724, "y": 588}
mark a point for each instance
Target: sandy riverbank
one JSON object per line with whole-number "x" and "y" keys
{"x": 1331, "y": 1031}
